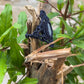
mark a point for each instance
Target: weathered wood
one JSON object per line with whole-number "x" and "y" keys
{"x": 35, "y": 22}
{"x": 33, "y": 69}
{"x": 41, "y": 48}
{"x": 60, "y": 53}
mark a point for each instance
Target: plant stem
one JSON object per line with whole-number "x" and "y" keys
{"x": 79, "y": 65}
{"x": 64, "y": 16}
{"x": 74, "y": 14}
{"x": 68, "y": 41}
{"x": 63, "y": 28}
{"x": 54, "y": 8}
{"x": 77, "y": 13}
{"x": 75, "y": 20}
{"x": 66, "y": 10}
{"x": 21, "y": 78}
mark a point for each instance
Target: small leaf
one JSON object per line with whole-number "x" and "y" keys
{"x": 63, "y": 35}
{"x": 28, "y": 81}
{"x": 81, "y": 56}
{"x": 13, "y": 75}
{"x": 17, "y": 26}
{"x": 67, "y": 27}
{"x": 80, "y": 34}
{"x": 56, "y": 32}
{"x": 79, "y": 30}
{"x": 21, "y": 37}
{"x": 60, "y": 4}
{"x": 71, "y": 5}
{"x": 76, "y": 21}
{"x": 4, "y": 34}
{"x": 52, "y": 15}
{"x": 5, "y": 18}
{"x": 79, "y": 43}
{"x": 80, "y": 37}
{"x": 15, "y": 55}
{"x": 71, "y": 78}
{"x": 22, "y": 19}
{"x": 3, "y": 65}
{"x": 41, "y": 1}
{"x": 81, "y": 7}
{"x": 76, "y": 61}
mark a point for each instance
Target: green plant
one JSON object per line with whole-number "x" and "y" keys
{"x": 73, "y": 34}
{"x": 11, "y": 59}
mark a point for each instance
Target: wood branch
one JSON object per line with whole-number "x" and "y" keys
{"x": 60, "y": 53}
{"x": 22, "y": 45}
{"x": 43, "y": 47}
{"x": 54, "y": 57}
{"x": 35, "y": 22}
{"x": 66, "y": 70}
{"x": 32, "y": 69}
{"x": 4, "y": 48}
{"x": 54, "y": 52}
{"x": 29, "y": 27}
{"x": 50, "y": 54}
{"x": 40, "y": 49}
{"x": 79, "y": 65}
{"x": 66, "y": 10}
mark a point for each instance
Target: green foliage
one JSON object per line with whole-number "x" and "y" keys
{"x": 78, "y": 70}
{"x": 8, "y": 31}
{"x": 71, "y": 6}
{"x": 41, "y": 1}
{"x": 52, "y": 15}
{"x": 81, "y": 7}
{"x": 22, "y": 19}
{"x": 79, "y": 43}
{"x": 78, "y": 32}
{"x": 63, "y": 35}
{"x": 71, "y": 78}
{"x": 28, "y": 81}
{"x": 5, "y": 19}
{"x": 73, "y": 34}
{"x": 68, "y": 28}
{"x": 11, "y": 60}
{"x": 60, "y": 4}
{"x": 3, "y": 65}
{"x": 56, "y": 32}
